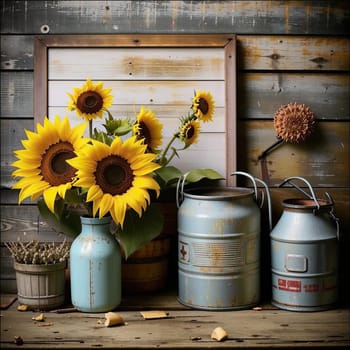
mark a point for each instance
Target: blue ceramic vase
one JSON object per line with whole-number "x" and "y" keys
{"x": 95, "y": 267}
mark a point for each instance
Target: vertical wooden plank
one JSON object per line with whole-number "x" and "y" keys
{"x": 231, "y": 117}
{"x": 40, "y": 79}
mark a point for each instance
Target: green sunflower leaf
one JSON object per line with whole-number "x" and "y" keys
{"x": 74, "y": 197}
{"x": 138, "y": 231}
{"x": 63, "y": 221}
{"x": 118, "y": 127}
{"x": 200, "y": 174}
{"x": 167, "y": 175}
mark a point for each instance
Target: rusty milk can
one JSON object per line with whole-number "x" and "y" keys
{"x": 304, "y": 257}
{"x": 219, "y": 246}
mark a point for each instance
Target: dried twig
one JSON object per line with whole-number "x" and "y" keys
{"x": 38, "y": 253}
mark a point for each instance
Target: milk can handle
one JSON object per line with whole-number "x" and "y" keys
{"x": 254, "y": 179}
{"x": 268, "y": 201}
{"x": 332, "y": 214}
{"x": 180, "y": 189}
{"x": 251, "y": 178}
{"x": 312, "y": 196}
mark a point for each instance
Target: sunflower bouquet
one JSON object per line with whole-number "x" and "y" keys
{"x": 119, "y": 171}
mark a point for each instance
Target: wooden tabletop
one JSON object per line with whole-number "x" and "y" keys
{"x": 183, "y": 328}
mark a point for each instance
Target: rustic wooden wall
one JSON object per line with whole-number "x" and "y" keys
{"x": 287, "y": 51}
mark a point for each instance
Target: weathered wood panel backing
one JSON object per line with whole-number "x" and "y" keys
{"x": 255, "y": 52}
{"x": 241, "y": 17}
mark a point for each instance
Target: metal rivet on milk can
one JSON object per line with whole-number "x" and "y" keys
{"x": 219, "y": 246}
{"x": 304, "y": 253}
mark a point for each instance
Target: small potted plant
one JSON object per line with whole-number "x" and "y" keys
{"x": 40, "y": 272}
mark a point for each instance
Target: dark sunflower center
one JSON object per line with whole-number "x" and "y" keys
{"x": 54, "y": 168}
{"x": 203, "y": 105}
{"x": 90, "y": 102}
{"x": 145, "y": 134}
{"x": 114, "y": 175}
{"x": 189, "y": 132}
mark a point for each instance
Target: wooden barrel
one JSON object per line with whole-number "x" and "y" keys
{"x": 146, "y": 270}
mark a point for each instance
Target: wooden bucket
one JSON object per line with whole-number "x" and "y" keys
{"x": 41, "y": 286}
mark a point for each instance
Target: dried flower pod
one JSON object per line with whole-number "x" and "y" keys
{"x": 38, "y": 253}
{"x": 294, "y": 122}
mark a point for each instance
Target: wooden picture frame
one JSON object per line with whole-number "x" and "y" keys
{"x": 226, "y": 43}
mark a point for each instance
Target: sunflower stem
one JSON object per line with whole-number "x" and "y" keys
{"x": 90, "y": 128}
{"x": 171, "y": 157}
{"x": 88, "y": 208}
{"x": 163, "y": 160}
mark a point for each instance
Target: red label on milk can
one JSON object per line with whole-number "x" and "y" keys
{"x": 289, "y": 285}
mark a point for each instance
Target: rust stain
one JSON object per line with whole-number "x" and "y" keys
{"x": 91, "y": 286}
{"x": 286, "y": 14}
{"x": 219, "y": 227}
{"x": 215, "y": 255}
{"x": 264, "y": 170}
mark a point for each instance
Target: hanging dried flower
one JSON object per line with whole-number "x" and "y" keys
{"x": 294, "y": 122}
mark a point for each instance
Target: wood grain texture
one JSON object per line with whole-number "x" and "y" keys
{"x": 286, "y": 51}
{"x": 261, "y": 94}
{"x": 16, "y": 94}
{"x": 315, "y": 159}
{"x": 182, "y": 329}
{"x": 255, "y": 52}
{"x": 241, "y": 17}
{"x": 17, "y": 52}
{"x": 136, "y": 63}
{"x": 302, "y": 53}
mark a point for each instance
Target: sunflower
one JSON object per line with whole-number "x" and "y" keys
{"x": 90, "y": 101}
{"x": 203, "y": 105}
{"x": 117, "y": 177}
{"x": 42, "y": 163}
{"x": 148, "y": 128}
{"x": 189, "y": 131}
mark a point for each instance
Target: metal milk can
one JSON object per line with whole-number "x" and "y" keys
{"x": 304, "y": 256}
{"x": 219, "y": 246}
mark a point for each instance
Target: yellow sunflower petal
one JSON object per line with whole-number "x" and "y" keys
{"x": 84, "y": 181}
{"x": 26, "y": 181}
{"x": 82, "y": 163}
{"x": 26, "y": 172}
{"x": 146, "y": 182}
{"x": 148, "y": 129}
{"x": 35, "y": 162}
{"x": 118, "y": 210}
{"x": 141, "y": 195}
{"x": 93, "y": 193}
{"x": 25, "y": 164}
{"x": 138, "y": 199}
{"x": 146, "y": 169}
{"x": 105, "y": 204}
{"x": 49, "y": 198}
{"x": 96, "y": 204}
{"x": 144, "y": 160}
{"x": 62, "y": 189}
{"x": 32, "y": 190}
{"x": 78, "y": 100}
{"x": 203, "y": 105}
